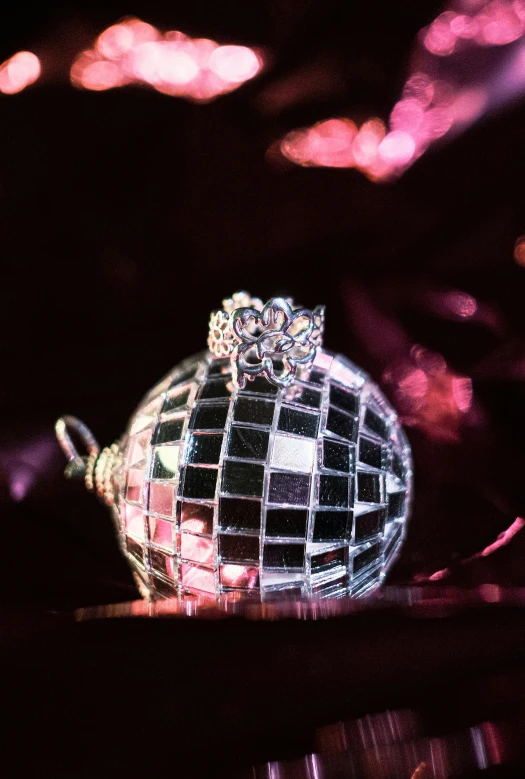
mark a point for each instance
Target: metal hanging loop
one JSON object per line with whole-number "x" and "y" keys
{"x": 76, "y": 467}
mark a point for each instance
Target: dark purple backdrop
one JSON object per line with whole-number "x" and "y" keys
{"x": 121, "y": 212}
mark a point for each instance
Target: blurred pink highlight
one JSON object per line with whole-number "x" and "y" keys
{"x": 437, "y": 100}
{"x": 193, "y": 526}
{"x": 452, "y": 304}
{"x": 134, "y": 484}
{"x": 161, "y": 532}
{"x": 397, "y": 148}
{"x": 462, "y": 304}
{"x": 196, "y": 548}
{"x": 134, "y": 521}
{"x": 497, "y": 23}
{"x": 137, "y": 447}
{"x": 22, "y": 478}
{"x": 337, "y": 143}
{"x": 439, "y": 38}
{"x": 197, "y": 578}
{"x": 504, "y": 538}
{"x": 429, "y": 395}
{"x": 18, "y": 72}
{"x": 245, "y": 576}
{"x": 161, "y": 498}
{"x": 234, "y": 64}
{"x": 133, "y": 52}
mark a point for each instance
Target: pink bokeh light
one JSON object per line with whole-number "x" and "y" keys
{"x": 134, "y": 52}
{"x": 436, "y": 101}
{"x": 496, "y": 23}
{"x": 18, "y": 72}
{"x": 429, "y": 394}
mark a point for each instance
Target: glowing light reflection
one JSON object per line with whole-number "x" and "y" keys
{"x": 429, "y": 394}
{"x": 519, "y": 250}
{"x": 196, "y": 548}
{"x": 497, "y": 23}
{"x": 133, "y": 52}
{"x": 435, "y": 101}
{"x": 233, "y": 575}
{"x": 18, "y": 72}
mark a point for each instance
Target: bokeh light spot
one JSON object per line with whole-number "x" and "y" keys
{"x": 397, "y": 148}
{"x": 234, "y": 64}
{"x": 134, "y": 52}
{"x": 439, "y": 98}
{"x": 519, "y": 251}
{"x": 18, "y": 72}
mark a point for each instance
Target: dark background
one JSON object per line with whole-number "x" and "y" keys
{"x": 126, "y": 216}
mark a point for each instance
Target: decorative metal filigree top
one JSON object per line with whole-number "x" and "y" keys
{"x": 270, "y": 340}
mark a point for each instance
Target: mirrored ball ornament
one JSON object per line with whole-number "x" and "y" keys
{"x": 263, "y": 464}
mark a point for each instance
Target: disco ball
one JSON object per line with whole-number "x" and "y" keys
{"x": 260, "y": 471}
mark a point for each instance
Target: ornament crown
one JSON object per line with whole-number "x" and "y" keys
{"x": 269, "y": 340}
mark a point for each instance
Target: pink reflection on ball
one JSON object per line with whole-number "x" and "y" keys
{"x": 197, "y": 578}
{"x": 161, "y": 498}
{"x": 245, "y": 576}
{"x": 196, "y": 548}
{"x": 134, "y": 521}
{"x": 193, "y": 526}
{"x": 161, "y": 532}
{"x": 134, "y": 484}
{"x": 18, "y": 72}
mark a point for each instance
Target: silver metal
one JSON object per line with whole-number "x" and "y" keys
{"x": 298, "y": 481}
{"x": 270, "y": 340}
{"x": 76, "y": 467}
{"x": 67, "y": 422}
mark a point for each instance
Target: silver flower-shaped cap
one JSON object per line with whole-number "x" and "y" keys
{"x": 270, "y": 340}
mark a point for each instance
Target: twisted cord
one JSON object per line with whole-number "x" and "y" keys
{"x": 99, "y": 473}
